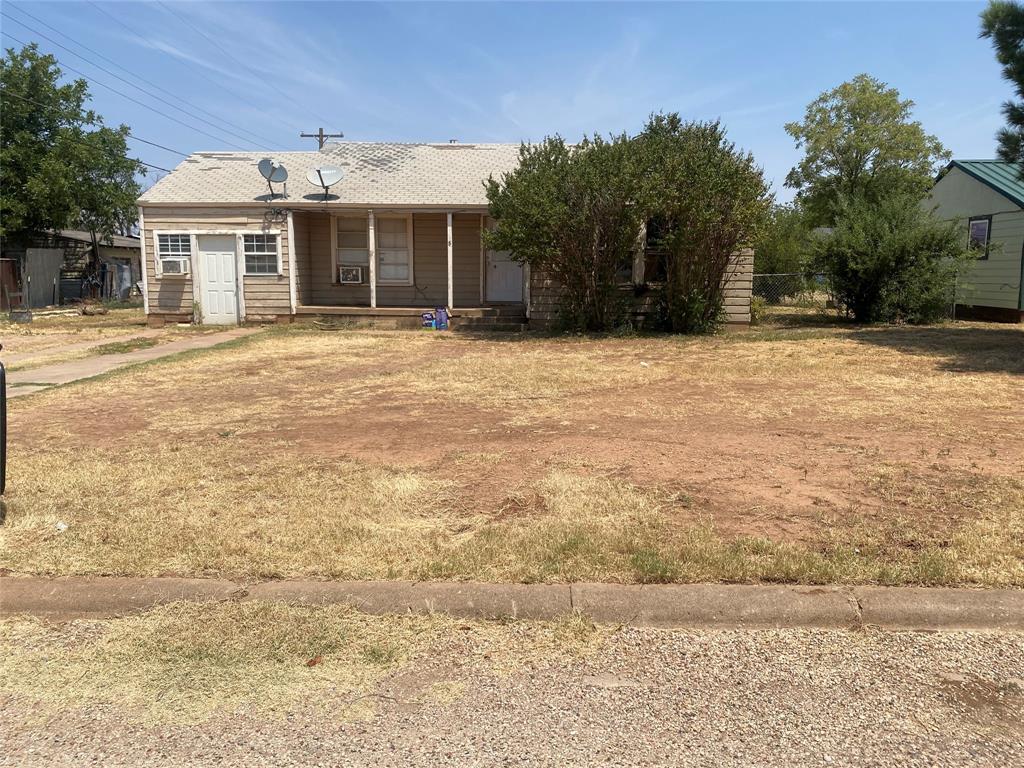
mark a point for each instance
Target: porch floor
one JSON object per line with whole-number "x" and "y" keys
{"x": 500, "y": 310}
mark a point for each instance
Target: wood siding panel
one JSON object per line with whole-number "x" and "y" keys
{"x": 265, "y": 295}
{"x": 995, "y": 281}
{"x": 466, "y": 259}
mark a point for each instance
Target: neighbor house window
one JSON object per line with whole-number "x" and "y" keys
{"x": 260, "y": 254}
{"x": 353, "y": 249}
{"x": 174, "y": 253}
{"x": 394, "y": 251}
{"x": 978, "y": 232}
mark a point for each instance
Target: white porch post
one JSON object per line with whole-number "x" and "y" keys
{"x": 451, "y": 261}
{"x": 372, "y": 242}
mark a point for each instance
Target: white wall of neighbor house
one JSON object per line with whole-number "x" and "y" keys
{"x": 996, "y": 280}
{"x": 266, "y": 296}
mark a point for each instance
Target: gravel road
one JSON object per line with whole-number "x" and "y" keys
{"x": 647, "y": 697}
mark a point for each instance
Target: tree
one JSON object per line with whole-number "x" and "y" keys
{"x": 859, "y": 142}
{"x": 711, "y": 199}
{"x": 891, "y": 260}
{"x": 782, "y": 251}
{"x": 60, "y": 166}
{"x": 571, "y": 212}
{"x": 1003, "y": 23}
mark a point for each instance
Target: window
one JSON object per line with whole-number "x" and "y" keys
{"x": 655, "y": 253}
{"x": 174, "y": 253}
{"x": 978, "y": 231}
{"x": 260, "y": 254}
{"x": 353, "y": 241}
{"x": 394, "y": 255}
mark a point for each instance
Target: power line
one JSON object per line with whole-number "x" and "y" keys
{"x": 245, "y": 66}
{"x": 3, "y": 91}
{"x": 133, "y": 99}
{"x": 123, "y": 80}
{"x": 173, "y": 95}
{"x": 130, "y": 134}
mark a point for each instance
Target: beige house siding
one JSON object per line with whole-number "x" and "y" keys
{"x": 995, "y": 281}
{"x": 737, "y": 288}
{"x": 265, "y": 296}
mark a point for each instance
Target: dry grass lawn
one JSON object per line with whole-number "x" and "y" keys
{"x": 188, "y": 662}
{"x": 815, "y": 455}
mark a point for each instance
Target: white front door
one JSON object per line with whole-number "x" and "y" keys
{"x": 220, "y": 288}
{"x": 504, "y": 277}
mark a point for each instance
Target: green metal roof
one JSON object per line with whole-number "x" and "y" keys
{"x": 1004, "y": 178}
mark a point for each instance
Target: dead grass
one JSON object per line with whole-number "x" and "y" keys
{"x": 187, "y": 662}
{"x": 885, "y": 456}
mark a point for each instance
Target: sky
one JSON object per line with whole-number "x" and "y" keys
{"x": 230, "y": 75}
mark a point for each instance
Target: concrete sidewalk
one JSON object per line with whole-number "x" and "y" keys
{"x": 662, "y": 605}
{"x": 35, "y": 379}
{"x": 12, "y": 359}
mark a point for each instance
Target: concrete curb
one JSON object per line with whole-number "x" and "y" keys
{"x": 664, "y": 605}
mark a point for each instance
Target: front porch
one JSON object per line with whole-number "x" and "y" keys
{"x": 394, "y": 264}
{"x": 503, "y": 317}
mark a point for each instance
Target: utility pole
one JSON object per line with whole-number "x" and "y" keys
{"x": 321, "y": 137}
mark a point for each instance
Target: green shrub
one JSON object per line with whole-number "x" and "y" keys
{"x": 891, "y": 260}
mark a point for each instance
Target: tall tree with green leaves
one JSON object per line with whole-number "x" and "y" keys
{"x": 60, "y": 166}
{"x": 859, "y": 141}
{"x": 1003, "y": 23}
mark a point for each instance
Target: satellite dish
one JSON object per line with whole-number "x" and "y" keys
{"x": 325, "y": 176}
{"x": 273, "y": 171}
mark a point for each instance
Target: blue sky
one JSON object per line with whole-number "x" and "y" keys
{"x": 511, "y": 72}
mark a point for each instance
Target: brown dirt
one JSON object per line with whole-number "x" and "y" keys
{"x": 749, "y": 469}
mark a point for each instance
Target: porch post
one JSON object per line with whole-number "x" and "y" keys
{"x": 451, "y": 260}
{"x": 372, "y": 243}
{"x": 483, "y": 267}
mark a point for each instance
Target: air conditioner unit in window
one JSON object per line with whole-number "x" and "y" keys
{"x": 174, "y": 266}
{"x": 350, "y": 275}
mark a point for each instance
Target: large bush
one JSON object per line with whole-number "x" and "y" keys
{"x": 571, "y": 211}
{"x": 711, "y": 199}
{"x": 890, "y": 260}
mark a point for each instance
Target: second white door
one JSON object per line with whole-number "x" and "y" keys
{"x": 219, "y": 280}
{"x": 504, "y": 277}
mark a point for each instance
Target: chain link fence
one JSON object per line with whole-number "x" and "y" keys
{"x": 791, "y": 297}
{"x": 797, "y": 298}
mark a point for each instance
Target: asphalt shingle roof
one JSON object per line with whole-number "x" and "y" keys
{"x": 376, "y": 174}
{"x": 1001, "y": 176}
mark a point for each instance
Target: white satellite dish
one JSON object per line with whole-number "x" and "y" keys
{"x": 273, "y": 171}
{"x": 325, "y": 176}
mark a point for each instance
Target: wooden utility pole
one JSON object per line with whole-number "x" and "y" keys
{"x": 322, "y": 137}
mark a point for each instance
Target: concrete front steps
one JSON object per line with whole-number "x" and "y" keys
{"x": 510, "y": 319}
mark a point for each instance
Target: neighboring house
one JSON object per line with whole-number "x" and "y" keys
{"x": 987, "y": 198}
{"x": 400, "y": 233}
{"x": 52, "y": 268}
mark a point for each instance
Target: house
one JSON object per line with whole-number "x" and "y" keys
{"x": 987, "y": 198}
{"x": 398, "y": 234}
{"x": 51, "y": 268}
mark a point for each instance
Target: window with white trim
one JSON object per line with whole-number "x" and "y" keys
{"x": 260, "y": 254}
{"x": 174, "y": 254}
{"x": 394, "y": 254}
{"x": 978, "y": 234}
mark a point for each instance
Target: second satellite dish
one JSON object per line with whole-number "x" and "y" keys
{"x": 325, "y": 176}
{"x": 273, "y": 171}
